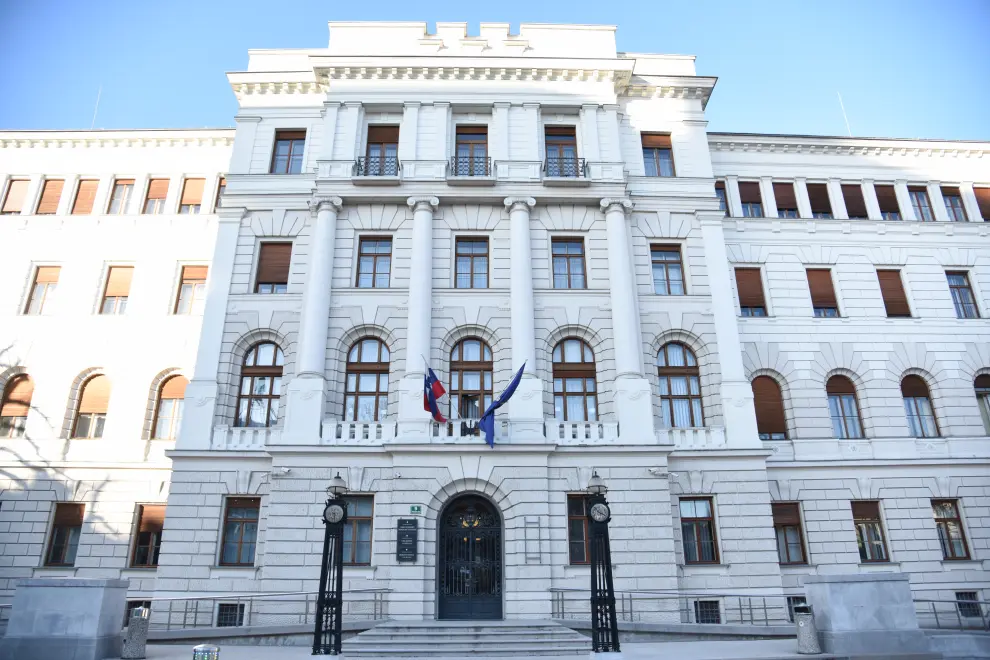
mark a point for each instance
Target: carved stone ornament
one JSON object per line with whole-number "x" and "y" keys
{"x": 328, "y": 203}
{"x": 510, "y": 202}
{"x": 415, "y": 202}
{"x": 623, "y": 203}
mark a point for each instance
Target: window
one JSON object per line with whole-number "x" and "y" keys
{"x": 273, "y": 268}
{"x": 680, "y": 387}
{"x": 954, "y": 205}
{"x": 822, "y": 294}
{"x": 230, "y": 615}
{"x": 472, "y": 263}
{"x": 698, "y": 530}
{"x": 15, "y": 405}
{"x": 470, "y": 379}
{"x": 471, "y": 151}
{"x": 374, "y": 263}
{"x": 287, "y": 156}
{"x": 151, "y": 520}
{"x": 117, "y": 290}
{"x": 962, "y": 295}
{"x": 769, "y": 402}
{"x": 792, "y": 602}
{"x": 821, "y": 206}
{"x": 561, "y": 150}
{"x": 707, "y": 611}
{"x": 982, "y": 388}
{"x": 658, "y": 157}
{"x": 950, "y": 529}
{"x": 578, "y": 540}
{"x": 45, "y": 283}
{"x": 852, "y": 195}
{"x": 568, "y": 263}
{"x": 869, "y": 531}
{"x": 366, "y": 387}
{"x": 66, "y": 529}
{"x": 787, "y": 527}
{"x": 92, "y": 413}
{"x": 752, "y": 201}
{"x": 383, "y": 151}
{"x": 918, "y": 408}
{"x": 192, "y": 290}
{"x": 154, "y": 202}
{"x": 723, "y": 205}
{"x": 892, "y": 290}
{"x": 168, "y": 411}
{"x": 887, "y": 199}
{"x": 968, "y": 604}
{"x": 843, "y": 408}
{"x": 85, "y": 197}
{"x": 120, "y": 196}
{"x": 240, "y": 531}
{"x": 357, "y": 531}
{"x": 192, "y": 196}
{"x": 574, "y": 382}
{"x": 922, "y": 206}
{"x": 261, "y": 386}
{"x": 221, "y": 189}
{"x": 668, "y": 273}
{"x": 749, "y": 283}
{"x": 51, "y": 192}
{"x": 787, "y": 206}
{"x": 13, "y": 202}
{"x": 983, "y": 202}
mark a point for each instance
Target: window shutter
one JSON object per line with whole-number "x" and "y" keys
{"x": 839, "y": 385}
{"x": 17, "y": 191}
{"x": 750, "y": 287}
{"x": 174, "y": 388}
{"x": 820, "y": 284}
{"x": 982, "y": 382}
{"x": 152, "y": 518}
{"x": 818, "y": 195}
{"x": 17, "y": 399}
{"x": 273, "y": 263}
{"x": 119, "y": 281}
{"x": 192, "y": 191}
{"x": 472, "y": 130}
{"x": 786, "y": 513}
{"x": 560, "y": 131}
{"x": 982, "y": 200}
{"x": 95, "y": 396}
{"x": 47, "y": 275}
{"x": 749, "y": 192}
{"x": 157, "y": 189}
{"x": 69, "y": 514}
{"x": 866, "y": 510}
{"x": 855, "y": 204}
{"x": 784, "y": 194}
{"x": 914, "y": 386}
{"x": 892, "y": 290}
{"x": 123, "y": 182}
{"x": 50, "y": 194}
{"x": 656, "y": 141}
{"x": 383, "y": 134}
{"x": 887, "y": 199}
{"x": 85, "y": 197}
{"x": 769, "y": 405}
{"x": 194, "y": 273}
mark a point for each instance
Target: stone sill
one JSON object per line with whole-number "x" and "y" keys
{"x": 880, "y": 567}
{"x": 234, "y": 571}
{"x": 689, "y": 570}
{"x": 375, "y": 180}
{"x": 962, "y": 564}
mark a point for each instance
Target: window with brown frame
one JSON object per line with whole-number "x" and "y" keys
{"x": 723, "y": 204}
{"x": 922, "y": 205}
{"x": 92, "y": 414}
{"x": 680, "y": 387}
{"x": 261, "y": 386}
{"x": 470, "y": 379}
{"x": 366, "y": 381}
{"x": 382, "y": 152}
{"x": 658, "y": 154}
{"x": 357, "y": 530}
{"x": 471, "y": 257}
{"x": 118, "y": 290}
{"x": 154, "y": 201}
{"x": 274, "y": 260}
{"x": 575, "y": 397}
{"x": 120, "y": 196}
{"x": 751, "y": 199}
{"x": 918, "y": 407}
{"x": 954, "y": 205}
{"x": 192, "y": 290}
{"x": 192, "y": 196}
{"x": 887, "y": 199}
{"x": 374, "y": 262}
{"x": 45, "y": 283}
{"x": 983, "y": 202}
{"x": 668, "y": 271}
{"x": 749, "y": 284}
{"x": 771, "y": 423}
{"x": 783, "y": 192}
{"x": 822, "y": 293}
{"x": 85, "y": 197}
{"x": 962, "y": 295}
{"x": 240, "y": 531}
{"x": 221, "y": 189}
{"x": 869, "y": 531}
{"x": 578, "y": 541}
{"x": 287, "y": 153}
{"x": 698, "y": 530}
{"x": 560, "y": 143}
{"x": 892, "y": 290}
{"x": 51, "y": 193}
{"x": 821, "y": 206}
{"x": 148, "y": 544}
{"x": 568, "y": 263}
{"x": 13, "y": 201}
{"x": 168, "y": 409}
{"x": 852, "y": 195}
{"x": 843, "y": 408}
{"x": 63, "y": 542}
{"x": 951, "y": 536}
{"x": 471, "y": 151}
{"x": 15, "y": 405}
{"x": 787, "y": 527}
{"x": 981, "y": 387}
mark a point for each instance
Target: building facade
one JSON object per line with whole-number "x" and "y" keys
{"x": 773, "y": 349}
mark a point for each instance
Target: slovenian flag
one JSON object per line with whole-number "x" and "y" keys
{"x": 432, "y": 390}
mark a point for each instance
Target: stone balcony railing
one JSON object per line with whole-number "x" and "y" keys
{"x": 336, "y": 432}
{"x": 707, "y": 437}
{"x": 238, "y": 438}
{"x": 582, "y": 433}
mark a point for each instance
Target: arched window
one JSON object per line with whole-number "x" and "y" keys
{"x": 470, "y": 379}
{"x": 918, "y": 407}
{"x": 843, "y": 408}
{"x": 982, "y": 386}
{"x": 574, "y": 388}
{"x": 680, "y": 387}
{"x": 15, "y": 405}
{"x": 168, "y": 411}
{"x": 366, "y": 387}
{"x": 92, "y": 414}
{"x": 769, "y": 403}
{"x": 261, "y": 385}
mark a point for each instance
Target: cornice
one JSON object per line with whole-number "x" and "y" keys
{"x": 670, "y": 87}
{"x": 836, "y": 146}
{"x": 104, "y": 139}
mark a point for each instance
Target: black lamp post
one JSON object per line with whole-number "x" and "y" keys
{"x": 604, "y": 626}
{"x": 330, "y": 601}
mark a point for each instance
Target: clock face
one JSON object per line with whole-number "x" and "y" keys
{"x": 333, "y": 513}
{"x": 599, "y": 512}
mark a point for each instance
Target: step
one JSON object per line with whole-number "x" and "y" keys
{"x": 392, "y": 653}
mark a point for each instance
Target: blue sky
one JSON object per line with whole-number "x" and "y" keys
{"x": 905, "y": 68}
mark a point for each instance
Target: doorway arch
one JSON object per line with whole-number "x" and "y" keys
{"x": 470, "y": 560}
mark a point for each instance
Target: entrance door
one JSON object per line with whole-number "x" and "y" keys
{"x": 469, "y": 562}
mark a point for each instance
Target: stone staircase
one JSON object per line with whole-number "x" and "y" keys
{"x": 468, "y": 639}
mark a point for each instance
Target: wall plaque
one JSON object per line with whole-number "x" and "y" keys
{"x": 407, "y": 534}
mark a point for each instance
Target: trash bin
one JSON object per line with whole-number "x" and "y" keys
{"x": 206, "y": 652}
{"x": 807, "y": 631}
{"x": 137, "y": 634}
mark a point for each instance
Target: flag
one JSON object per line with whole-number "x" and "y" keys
{"x": 487, "y": 422}
{"x": 432, "y": 390}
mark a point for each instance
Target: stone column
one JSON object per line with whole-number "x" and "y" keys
{"x": 803, "y": 201}
{"x": 872, "y": 203}
{"x": 306, "y": 395}
{"x": 769, "y": 199}
{"x": 937, "y": 202}
{"x": 970, "y": 203}
{"x": 904, "y": 201}
{"x": 732, "y": 196}
{"x": 838, "y": 202}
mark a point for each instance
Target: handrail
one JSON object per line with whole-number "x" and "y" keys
{"x": 567, "y": 167}
{"x": 469, "y": 166}
{"x": 259, "y": 594}
{"x": 377, "y": 166}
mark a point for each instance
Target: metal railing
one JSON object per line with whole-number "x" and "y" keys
{"x": 377, "y": 166}
{"x": 953, "y": 614}
{"x": 565, "y": 167}
{"x": 470, "y": 166}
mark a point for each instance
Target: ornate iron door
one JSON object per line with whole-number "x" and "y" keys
{"x": 469, "y": 566}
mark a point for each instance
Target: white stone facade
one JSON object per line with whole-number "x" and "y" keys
{"x": 396, "y": 74}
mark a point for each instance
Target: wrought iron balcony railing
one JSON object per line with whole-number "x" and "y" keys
{"x": 566, "y": 167}
{"x": 377, "y": 166}
{"x": 470, "y": 166}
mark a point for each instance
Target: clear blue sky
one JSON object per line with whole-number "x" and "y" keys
{"x": 905, "y": 68}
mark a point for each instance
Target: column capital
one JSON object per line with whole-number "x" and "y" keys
{"x": 415, "y": 203}
{"x": 511, "y": 202}
{"x": 324, "y": 203}
{"x": 624, "y": 204}
{"x": 411, "y": 104}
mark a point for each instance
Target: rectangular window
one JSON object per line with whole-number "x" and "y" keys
{"x": 954, "y": 205}
{"x": 962, "y": 295}
{"x": 783, "y": 193}
{"x": 707, "y": 611}
{"x": 151, "y": 520}
{"x": 968, "y": 605}
{"x": 85, "y": 197}
{"x": 578, "y": 542}
{"x": 13, "y": 201}
{"x": 120, "y": 196}
{"x": 568, "y": 263}
{"x": 117, "y": 290}
{"x": 64, "y": 539}
{"x": 472, "y": 263}
{"x": 221, "y": 189}
{"x": 230, "y": 615}
{"x": 822, "y": 293}
{"x": 383, "y": 152}
{"x": 922, "y": 205}
{"x": 787, "y": 527}
{"x": 287, "y": 154}
{"x": 892, "y": 289}
{"x": 950, "y": 529}
{"x": 658, "y": 155}
{"x": 374, "y": 263}
{"x": 45, "y": 283}
{"x": 698, "y": 530}
{"x": 852, "y": 194}
{"x": 192, "y": 290}
{"x": 869, "y": 531}
{"x": 240, "y": 531}
{"x": 887, "y": 199}
{"x": 750, "y": 287}
{"x": 357, "y": 531}
{"x": 51, "y": 192}
{"x": 471, "y": 151}
{"x": 273, "y": 268}
{"x": 192, "y": 196}
{"x": 668, "y": 272}
{"x": 723, "y": 205}
{"x": 821, "y": 206}
{"x": 154, "y": 202}
{"x": 561, "y": 149}
{"x": 752, "y": 201}
{"x": 792, "y": 602}
{"x": 983, "y": 202}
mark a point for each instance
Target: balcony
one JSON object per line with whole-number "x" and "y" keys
{"x": 700, "y": 438}
{"x": 582, "y": 433}
{"x": 470, "y": 171}
{"x": 565, "y": 172}
{"x": 376, "y": 171}
{"x": 244, "y": 438}
{"x": 336, "y": 432}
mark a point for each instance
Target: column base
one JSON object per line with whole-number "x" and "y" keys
{"x": 304, "y": 411}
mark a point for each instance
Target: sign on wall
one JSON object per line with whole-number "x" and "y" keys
{"x": 407, "y": 534}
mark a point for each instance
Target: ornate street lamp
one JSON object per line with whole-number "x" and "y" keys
{"x": 604, "y": 626}
{"x": 330, "y": 601}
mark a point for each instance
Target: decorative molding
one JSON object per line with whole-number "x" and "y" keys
{"x": 112, "y": 139}
{"x": 839, "y": 146}
{"x": 510, "y": 202}
{"x": 328, "y": 202}
{"x": 622, "y": 202}
{"x": 416, "y": 201}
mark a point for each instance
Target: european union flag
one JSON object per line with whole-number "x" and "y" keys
{"x": 487, "y": 422}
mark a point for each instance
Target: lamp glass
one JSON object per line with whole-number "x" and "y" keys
{"x": 596, "y": 486}
{"x": 337, "y": 485}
